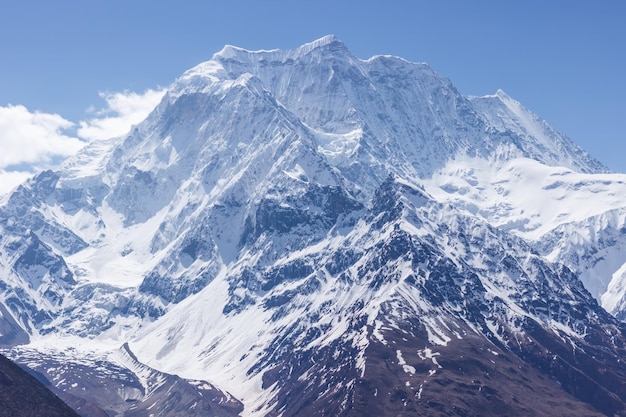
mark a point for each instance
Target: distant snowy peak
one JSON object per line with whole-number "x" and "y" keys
{"x": 533, "y": 135}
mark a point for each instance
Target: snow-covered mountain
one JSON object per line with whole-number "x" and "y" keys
{"x": 305, "y": 232}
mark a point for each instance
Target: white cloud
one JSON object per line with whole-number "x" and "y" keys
{"x": 30, "y": 142}
{"x": 33, "y": 141}
{"x": 123, "y": 111}
{"x": 28, "y": 138}
{"x": 11, "y": 179}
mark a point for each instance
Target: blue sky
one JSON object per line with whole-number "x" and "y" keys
{"x": 80, "y": 61}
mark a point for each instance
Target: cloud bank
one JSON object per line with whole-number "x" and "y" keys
{"x": 33, "y": 138}
{"x": 123, "y": 111}
{"x": 31, "y": 141}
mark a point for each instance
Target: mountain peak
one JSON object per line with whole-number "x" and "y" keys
{"x": 230, "y": 52}
{"x": 502, "y": 95}
{"x": 320, "y": 43}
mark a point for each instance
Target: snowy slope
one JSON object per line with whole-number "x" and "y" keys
{"x": 566, "y": 215}
{"x": 409, "y": 264}
{"x": 285, "y": 220}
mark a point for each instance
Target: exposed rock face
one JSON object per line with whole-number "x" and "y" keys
{"x": 120, "y": 385}
{"x": 21, "y": 395}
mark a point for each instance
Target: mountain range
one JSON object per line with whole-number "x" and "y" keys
{"x": 304, "y": 232}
